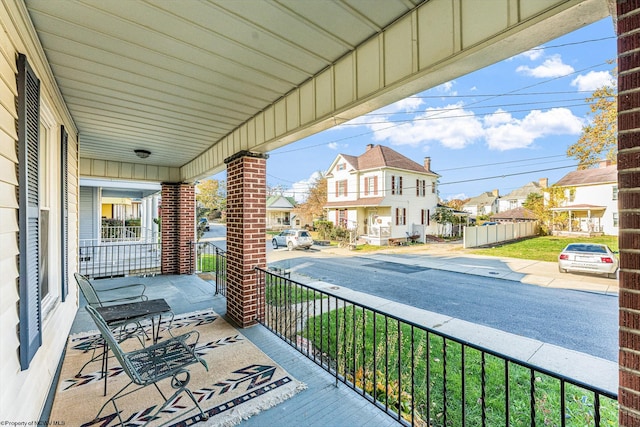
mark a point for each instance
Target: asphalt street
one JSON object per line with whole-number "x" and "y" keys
{"x": 574, "y": 319}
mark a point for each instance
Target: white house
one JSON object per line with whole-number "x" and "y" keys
{"x": 483, "y": 204}
{"x": 517, "y": 197}
{"x": 591, "y": 199}
{"x": 382, "y": 195}
{"x": 280, "y": 212}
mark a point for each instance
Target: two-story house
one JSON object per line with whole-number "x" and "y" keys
{"x": 517, "y": 197}
{"x": 483, "y": 204}
{"x": 382, "y": 195}
{"x": 591, "y": 200}
{"x": 280, "y": 212}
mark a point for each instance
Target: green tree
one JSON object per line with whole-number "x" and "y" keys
{"x": 542, "y": 204}
{"x": 600, "y": 136}
{"x": 443, "y": 216}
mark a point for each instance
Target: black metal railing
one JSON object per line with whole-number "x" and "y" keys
{"x": 419, "y": 376}
{"x": 208, "y": 258}
{"x": 124, "y": 259}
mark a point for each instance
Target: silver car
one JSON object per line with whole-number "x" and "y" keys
{"x": 293, "y": 239}
{"x": 588, "y": 258}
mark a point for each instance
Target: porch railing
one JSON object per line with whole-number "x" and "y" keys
{"x": 113, "y": 260}
{"x": 208, "y": 258}
{"x": 419, "y": 376}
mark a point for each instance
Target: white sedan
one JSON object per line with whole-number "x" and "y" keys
{"x": 588, "y": 258}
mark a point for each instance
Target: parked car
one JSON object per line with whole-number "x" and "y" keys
{"x": 588, "y": 258}
{"x": 293, "y": 239}
{"x": 204, "y": 222}
{"x": 490, "y": 223}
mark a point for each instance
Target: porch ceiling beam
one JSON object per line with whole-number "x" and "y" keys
{"x": 438, "y": 41}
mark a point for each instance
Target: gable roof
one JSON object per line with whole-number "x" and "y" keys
{"x": 524, "y": 191}
{"x": 280, "y": 202}
{"x": 380, "y": 156}
{"x": 516, "y": 213}
{"x": 486, "y": 198}
{"x": 601, "y": 175}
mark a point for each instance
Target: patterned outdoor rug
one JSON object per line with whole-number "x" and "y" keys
{"x": 241, "y": 381}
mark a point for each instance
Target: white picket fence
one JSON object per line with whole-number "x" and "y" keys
{"x": 490, "y": 234}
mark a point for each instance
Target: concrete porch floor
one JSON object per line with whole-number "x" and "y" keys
{"x": 321, "y": 404}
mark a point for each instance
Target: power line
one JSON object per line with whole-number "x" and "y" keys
{"x": 502, "y": 163}
{"x": 506, "y": 175}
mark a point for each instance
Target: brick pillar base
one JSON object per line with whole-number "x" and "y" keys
{"x": 178, "y": 227}
{"x": 246, "y": 228}
{"x": 628, "y": 27}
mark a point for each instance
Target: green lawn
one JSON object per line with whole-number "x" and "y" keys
{"x": 544, "y": 248}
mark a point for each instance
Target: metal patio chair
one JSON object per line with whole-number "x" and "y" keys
{"x": 168, "y": 359}
{"x": 93, "y": 299}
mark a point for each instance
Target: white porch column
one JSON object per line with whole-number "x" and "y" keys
{"x": 154, "y": 214}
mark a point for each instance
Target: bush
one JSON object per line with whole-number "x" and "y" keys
{"x": 324, "y": 228}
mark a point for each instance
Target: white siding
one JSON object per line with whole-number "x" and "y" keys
{"x": 599, "y": 195}
{"x": 24, "y": 393}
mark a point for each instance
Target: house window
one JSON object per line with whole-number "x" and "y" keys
{"x": 513, "y": 204}
{"x": 341, "y": 166}
{"x": 615, "y": 219}
{"x": 371, "y": 185}
{"x": 614, "y": 195}
{"x": 401, "y": 216}
{"x": 570, "y": 194}
{"x": 396, "y": 185}
{"x": 341, "y": 217}
{"x": 433, "y": 188}
{"x": 425, "y": 217}
{"x": 421, "y": 187}
{"x": 341, "y": 188}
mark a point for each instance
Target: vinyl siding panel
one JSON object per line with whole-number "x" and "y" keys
{"x": 34, "y": 382}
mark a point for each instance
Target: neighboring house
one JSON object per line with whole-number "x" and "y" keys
{"x": 518, "y": 214}
{"x": 484, "y": 204}
{"x": 591, "y": 200}
{"x": 382, "y": 194}
{"x": 517, "y": 197}
{"x": 280, "y": 212}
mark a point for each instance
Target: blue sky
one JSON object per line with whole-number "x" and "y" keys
{"x": 512, "y": 121}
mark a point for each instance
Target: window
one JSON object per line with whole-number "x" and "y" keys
{"x": 421, "y": 187}
{"x": 614, "y": 195}
{"x": 424, "y": 215}
{"x": 396, "y": 185}
{"x": 341, "y": 166}
{"x": 401, "y": 216}
{"x": 615, "y": 219}
{"x": 371, "y": 185}
{"x": 433, "y": 188}
{"x": 513, "y": 204}
{"x": 341, "y": 188}
{"x": 341, "y": 217}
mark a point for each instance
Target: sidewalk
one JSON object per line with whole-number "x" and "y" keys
{"x": 452, "y": 257}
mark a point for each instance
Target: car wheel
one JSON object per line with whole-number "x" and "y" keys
{"x": 290, "y": 246}
{"x": 306, "y": 248}
{"x": 274, "y": 242}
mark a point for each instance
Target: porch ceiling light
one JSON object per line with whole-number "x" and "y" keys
{"x": 143, "y": 154}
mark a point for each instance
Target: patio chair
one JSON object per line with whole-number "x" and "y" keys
{"x": 93, "y": 299}
{"x": 149, "y": 365}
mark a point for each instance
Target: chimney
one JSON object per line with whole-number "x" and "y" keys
{"x": 543, "y": 182}
{"x": 604, "y": 163}
{"x": 369, "y": 147}
{"x": 427, "y": 164}
{"x": 495, "y": 193}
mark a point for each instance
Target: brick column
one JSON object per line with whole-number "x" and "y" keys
{"x": 178, "y": 227}
{"x": 628, "y": 27}
{"x": 246, "y": 228}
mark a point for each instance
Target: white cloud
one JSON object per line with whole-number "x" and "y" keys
{"x": 521, "y": 133}
{"x": 333, "y": 145}
{"x": 593, "y": 80}
{"x": 452, "y": 126}
{"x": 299, "y": 190}
{"x": 459, "y": 196}
{"x": 551, "y": 67}
{"x": 499, "y": 117}
{"x": 532, "y": 54}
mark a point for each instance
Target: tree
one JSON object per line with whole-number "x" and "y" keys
{"x": 313, "y": 207}
{"x": 443, "y": 216}
{"x": 600, "y": 136}
{"x": 212, "y": 194}
{"x": 541, "y": 205}
{"x": 456, "y": 204}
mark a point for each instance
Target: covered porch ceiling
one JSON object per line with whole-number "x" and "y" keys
{"x": 194, "y": 82}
